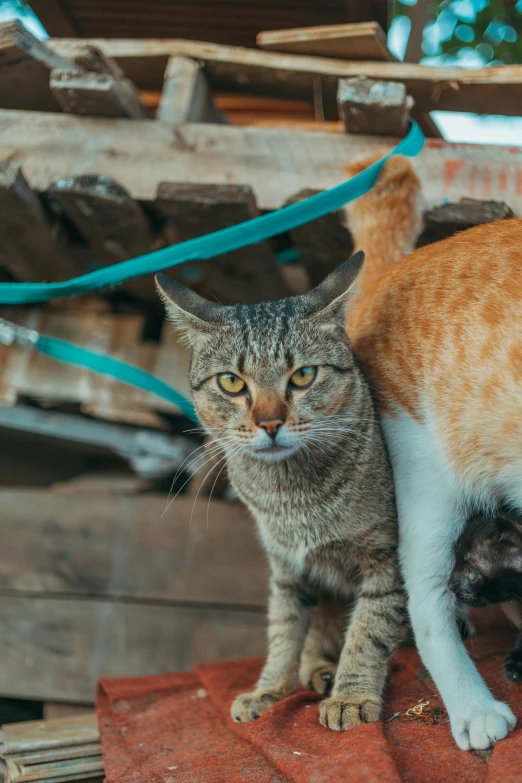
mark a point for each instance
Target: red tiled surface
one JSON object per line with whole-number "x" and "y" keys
{"x": 176, "y": 728}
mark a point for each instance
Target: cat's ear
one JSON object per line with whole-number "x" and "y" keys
{"x": 327, "y": 302}
{"x": 190, "y": 313}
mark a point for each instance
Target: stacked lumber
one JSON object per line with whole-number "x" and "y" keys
{"x": 52, "y": 751}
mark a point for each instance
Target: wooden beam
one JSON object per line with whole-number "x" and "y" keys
{"x": 231, "y": 68}
{"x": 380, "y": 108}
{"x": 28, "y": 248}
{"x": 56, "y": 648}
{"x": 243, "y": 276}
{"x": 166, "y": 556}
{"x": 186, "y": 95}
{"x": 359, "y": 41}
{"x": 95, "y": 94}
{"x": 277, "y": 163}
{"x": 114, "y": 225}
{"x": 25, "y": 64}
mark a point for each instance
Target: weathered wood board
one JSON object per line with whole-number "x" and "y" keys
{"x": 231, "y": 68}
{"x": 57, "y": 648}
{"x": 277, "y": 163}
{"x": 129, "y": 547}
{"x": 359, "y": 41}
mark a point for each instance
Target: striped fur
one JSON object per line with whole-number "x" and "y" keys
{"x": 324, "y": 508}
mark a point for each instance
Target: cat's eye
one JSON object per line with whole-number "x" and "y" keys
{"x": 303, "y": 377}
{"x": 230, "y": 383}
{"x": 472, "y": 576}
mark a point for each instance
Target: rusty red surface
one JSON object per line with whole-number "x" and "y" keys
{"x": 175, "y": 728}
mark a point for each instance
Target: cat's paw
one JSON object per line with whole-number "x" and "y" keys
{"x": 513, "y": 666}
{"x": 322, "y": 679}
{"x": 250, "y": 706}
{"x": 478, "y": 729}
{"x": 340, "y": 713}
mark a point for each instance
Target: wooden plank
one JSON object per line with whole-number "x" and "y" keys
{"x": 25, "y": 64}
{"x": 30, "y": 736}
{"x": 322, "y": 244}
{"x": 231, "y": 68}
{"x": 359, "y": 41}
{"x": 57, "y": 649}
{"x": 380, "y": 108}
{"x": 54, "y": 710}
{"x": 113, "y": 224}
{"x": 247, "y": 275}
{"x": 151, "y": 455}
{"x": 186, "y": 95}
{"x": 277, "y": 163}
{"x": 28, "y": 248}
{"x": 95, "y": 94}
{"x": 127, "y": 547}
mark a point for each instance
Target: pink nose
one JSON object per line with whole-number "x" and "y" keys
{"x": 271, "y": 426}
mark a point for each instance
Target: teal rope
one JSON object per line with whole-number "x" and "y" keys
{"x": 68, "y": 353}
{"x": 218, "y": 242}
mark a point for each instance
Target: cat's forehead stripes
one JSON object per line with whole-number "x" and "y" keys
{"x": 273, "y": 322}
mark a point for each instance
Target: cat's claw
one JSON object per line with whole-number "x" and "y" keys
{"x": 340, "y": 713}
{"x": 480, "y": 729}
{"x": 250, "y": 706}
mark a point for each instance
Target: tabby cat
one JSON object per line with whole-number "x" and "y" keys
{"x": 277, "y": 387}
{"x": 439, "y": 337}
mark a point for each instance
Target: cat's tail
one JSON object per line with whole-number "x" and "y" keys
{"x": 386, "y": 221}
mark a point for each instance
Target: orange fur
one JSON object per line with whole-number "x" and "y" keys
{"x": 443, "y": 327}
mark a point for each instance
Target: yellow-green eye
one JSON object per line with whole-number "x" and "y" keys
{"x": 303, "y": 377}
{"x": 230, "y": 383}
{"x": 472, "y": 576}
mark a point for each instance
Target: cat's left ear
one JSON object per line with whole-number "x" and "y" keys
{"x": 190, "y": 313}
{"x": 328, "y": 301}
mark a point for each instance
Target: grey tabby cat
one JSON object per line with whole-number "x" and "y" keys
{"x": 277, "y": 384}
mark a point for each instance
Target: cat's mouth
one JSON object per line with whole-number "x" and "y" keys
{"x": 274, "y": 451}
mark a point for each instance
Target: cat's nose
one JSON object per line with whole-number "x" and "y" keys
{"x": 270, "y": 426}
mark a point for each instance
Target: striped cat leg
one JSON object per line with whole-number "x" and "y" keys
{"x": 429, "y": 523}
{"x": 323, "y": 646}
{"x": 288, "y": 619}
{"x": 377, "y": 627}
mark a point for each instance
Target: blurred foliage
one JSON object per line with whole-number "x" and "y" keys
{"x": 470, "y": 32}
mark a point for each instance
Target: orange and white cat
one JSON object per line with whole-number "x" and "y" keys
{"x": 439, "y": 337}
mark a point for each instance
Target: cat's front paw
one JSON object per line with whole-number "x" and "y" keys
{"x": 340, "y": 713}
{"x": 250, "y": 706}
{"x": 513, "y": 666}
{"x": 479, "y": 728}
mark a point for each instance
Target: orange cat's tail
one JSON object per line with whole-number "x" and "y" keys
{"x": 386, "y": 221}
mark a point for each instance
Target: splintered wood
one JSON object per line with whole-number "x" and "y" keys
{"x": 52, "y": 751}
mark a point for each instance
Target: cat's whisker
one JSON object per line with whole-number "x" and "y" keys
{"x": 213, "y": 453}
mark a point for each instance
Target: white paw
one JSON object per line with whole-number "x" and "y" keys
{"x": 479, "y": 728}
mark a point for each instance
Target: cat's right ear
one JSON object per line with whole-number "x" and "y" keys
{"x": 190, "y": 313}
{"x": 328, "y": 301}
